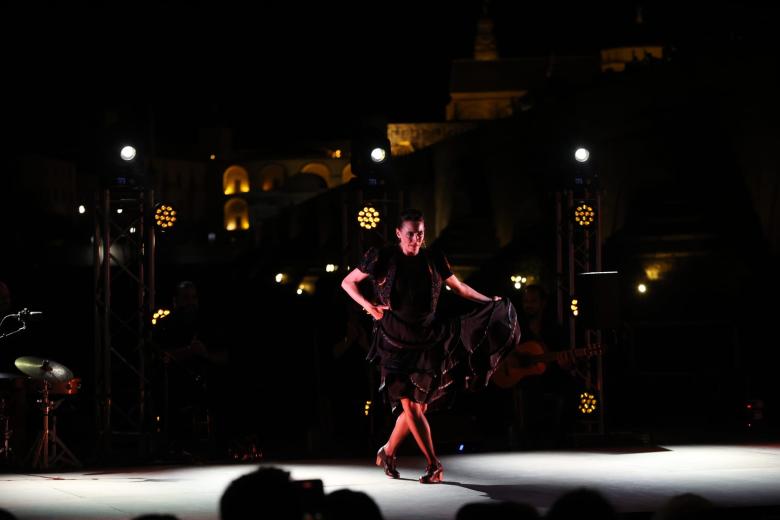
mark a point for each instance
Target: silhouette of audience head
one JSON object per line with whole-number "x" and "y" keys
{"x": 687, "y": 506}
{"x": 345, "y": 503}
{"x": 5, "y": 514}
{"x": 582, "y": 503}
{"x": 267, "y": 492}
{"x": 497, "y": 511}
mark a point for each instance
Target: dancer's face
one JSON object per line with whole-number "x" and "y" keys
{"x": 411, "y": 234}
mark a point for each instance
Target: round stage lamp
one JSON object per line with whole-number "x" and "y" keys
{"x": 127, "y": 153}
{"x": 584, "y": 215}
{"x": 159, "y": 315}
{"x": 581, "y": 155}
{"x": 368, "y": 217}
{"x": 378, "y": 155}
{"x": 587, "y": 404}
{"x": 165, "y": 216}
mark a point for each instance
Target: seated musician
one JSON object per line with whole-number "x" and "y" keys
{"x": 191, "y": 366}
{"x": 543, "y": 393}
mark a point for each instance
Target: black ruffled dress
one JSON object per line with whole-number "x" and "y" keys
{"x": 416, "y": 350}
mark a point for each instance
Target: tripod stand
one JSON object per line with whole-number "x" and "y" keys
{"x": 47, "y": 441}
{"x": 5, "y": 431}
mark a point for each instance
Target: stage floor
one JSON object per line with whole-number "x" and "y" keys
{"x": 635, "y": 481}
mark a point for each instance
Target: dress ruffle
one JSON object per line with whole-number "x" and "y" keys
{"x": 419, "y": 359}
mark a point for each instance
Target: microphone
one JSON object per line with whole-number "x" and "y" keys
{"x": 27, "y": 313}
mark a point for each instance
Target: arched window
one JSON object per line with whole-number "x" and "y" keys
{"x": 271, "y": 177}
{"x": 346, "y": 174}
{"x": 236, "y": 214}
{"x": 235, "y": 180}
{"x": 320, "y": 170}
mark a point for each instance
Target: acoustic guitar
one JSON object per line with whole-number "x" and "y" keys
{"x": 530, "y": 358}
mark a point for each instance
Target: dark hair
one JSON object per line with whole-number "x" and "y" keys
{"x": 497, "y": 511}
{"x": 185, "y": 284}
{"x": 266, "y": 491}
{"x": 581, "y": 503}
{"x": 347, "y": 503}
{"x": 410, "y": 215}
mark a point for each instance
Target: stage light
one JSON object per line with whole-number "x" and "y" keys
{"x": 132, "y": 229}
{"x": 127, "y": 153}
{"x": 331, "y": 268}
{"x": 575, "y": 307}
{"x": 307, "y": 286}
{"x": 368, "y": 217}
{"x": 378, "y": 155}
{"x": 119, "y": 211}
{"x": 82, "y": 209}
{"x": 518, "y": 281}
{"x": 280, "y": 277}
{"x": 461, "y": 447}
{"x": 159, "y": 315}
{"x": 164, "y": 216}
{"x": 587, "y": 404}
{"x": 653, "y": 271}
{"x": 641, "y": 288}
{"x": 212, "y": 157}
{"x": 448, "y": 287}
{"x": 581, "y": 155}
{"x": 367, "y": 408}
{"x": 584, "y": 215}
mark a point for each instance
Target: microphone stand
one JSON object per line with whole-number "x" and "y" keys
{"x": 18, "y": 319}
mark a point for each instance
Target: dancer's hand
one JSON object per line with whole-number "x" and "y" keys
{"x": 377, "y": 311}
{"x": 496, "y": 298}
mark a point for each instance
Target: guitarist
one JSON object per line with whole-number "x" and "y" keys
{"x": 192, "y": 370}
{"x": 543, "y": 405}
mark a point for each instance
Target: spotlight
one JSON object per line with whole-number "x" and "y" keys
{"x": 164, "y": 216}
{"x": 331, "y": 268}
{"x": 587, "y": 403}
{"x": 160, "y": 314}
{"x": 584, "y": 215}
{"x": 367, "y": 408}
{"x": 368, "y": 217}
{"x": 641, "y": 288}
{"x": 378, "y": 155}
{"x": 575, "y": 307}
{"x": 307, "y": 286}
{"x": 518, "y": 281}
{"x": 582, "y": 155}
{"x": 82, "y": 209}
{"x": 127, "y": 153}
{"x": 279, "y": 277}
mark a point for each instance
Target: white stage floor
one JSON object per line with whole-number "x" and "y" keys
{"x": 730, "y": 476}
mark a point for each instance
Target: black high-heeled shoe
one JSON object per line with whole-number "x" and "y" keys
{"x": 388, "y": 462}
{"x": 434, "y": 473}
